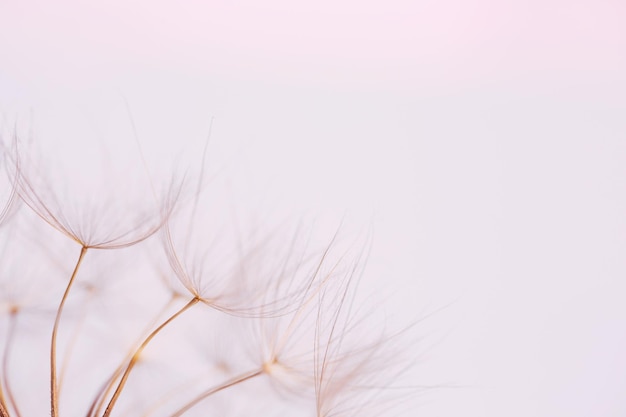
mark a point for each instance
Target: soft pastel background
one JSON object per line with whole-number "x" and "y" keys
{"x": 485, "y": 141}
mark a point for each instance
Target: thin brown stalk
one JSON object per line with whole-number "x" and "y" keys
{"x": 98, "y": 401}
{"x": 5, "y": 367}
{"x": 231, "y": 382}
{"x": 136, "y": 355}
{"x": 72, "y": 343}
{"x": 54, "y": 394}
{"x": 103, "y": 393}
{"x": 171, "y": 394}
{"x": 3, "y": 405}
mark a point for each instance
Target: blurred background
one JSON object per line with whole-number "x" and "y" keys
{"x": 484, "y": 142}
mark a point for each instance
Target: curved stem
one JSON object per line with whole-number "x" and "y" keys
{"x": 72, "y": 342}
{"x": 54, "y": 395}
{"x": 3, "y": 410}
{"x": 135, "y": 357}
{"x": 168, "y": 396}
{"x": 5, "y": 363}
{"x": 3, "y": 406}
{"x": 234, "y": 381}
{"x": 103, "y": 393}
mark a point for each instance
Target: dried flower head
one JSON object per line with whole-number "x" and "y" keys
{"x": 98, "y": 202}
{"x": 230, "y": 270}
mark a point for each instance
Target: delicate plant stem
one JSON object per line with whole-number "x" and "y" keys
{"x": 5, "y": 362}
{"x": 231, "y": 382}
{"x": 165, "y": 398}
{"x": 103, "y": 393}
{"x": 54, "y": 395}
{"x": 140, "y": 349}
{"x": 3, "y": 406}
{"x": 5, "y": 368}
{"x": 72, "y": 343}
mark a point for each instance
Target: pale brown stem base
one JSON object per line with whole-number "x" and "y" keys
{"x": 103, "y": 393}
{"x": 231, "y": 382}
{"x": 135, "y": 357}
{"x": 54, "y": 394}
{"x": 5, "y": 363}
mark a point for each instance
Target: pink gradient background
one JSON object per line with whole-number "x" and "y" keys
{"x": 487, "y": 138}
{"x": 401, "y": 45}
